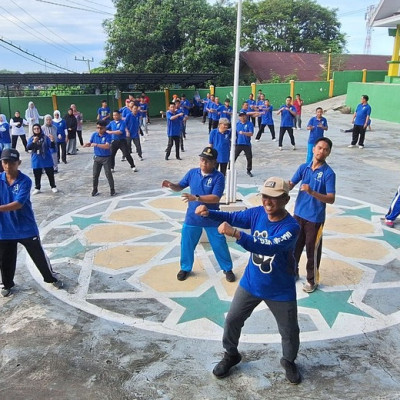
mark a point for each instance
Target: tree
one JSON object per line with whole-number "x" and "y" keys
{"x": 162, "y": 36}
{"x": 290, "y": 26}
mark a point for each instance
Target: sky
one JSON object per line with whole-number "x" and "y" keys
{"x": 60, "y": 31}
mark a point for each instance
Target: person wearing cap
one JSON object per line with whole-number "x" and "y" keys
{"x": 40, "y": 146}
{"x": 288, "y": 115}
{"x": 18, "y": 225}
{"x": 270, "y": 274}
{"x": 244, "y": 132}
{"x": 206, "y": 187}
{"x": 317, "y": 188}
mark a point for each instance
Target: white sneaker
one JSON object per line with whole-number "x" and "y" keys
{"x": 112, "y": 170}
{"x": 274, "y": 140}
{"x": 141, "y": 158}
{"x": 257, "y": 140}
{"x": 280, "y": 148}
{"x": 360, "y": 147}
{"x": 134, "y": 169}
{"x": 294, "y": 147}
{"x": 351, "y": 146}
{"x": 54, "y": 190}
{"x": 36, "y": 191}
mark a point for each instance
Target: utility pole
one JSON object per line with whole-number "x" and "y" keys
{"x": 88, "y": 60}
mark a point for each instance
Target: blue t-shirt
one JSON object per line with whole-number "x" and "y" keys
{"x": 260, "y": 105}
{"x": 174, "y": 126}
{"x": 61, "y": 127}
{"x": 143, "y": 107}
{"x": 103, "y": 112}
{"x": 362, "y": 111}
{"x": 5, "y": 137}
{"x": 225, "y": 112}
{"x": 251, "y": 103}
{"x": 243, "y": 139}
{"x": 222, "y": 143}
{"x": 96, "y": 138}
{"x": 287, "y": 119}
{"x": 200, "y": 184}
{"x": 19, "y": 224}
{"x": 117, "y": 126}
{"x": 185, "y": 105}
{"x": 213, "y": 110}
{"x": 132, "y": 123}
{"x": 41, "y": 155}
{"x": 125, "y": 112}
{"x": 266, "y": 117}
{"x": 271, "y": 270}
{"x": 321, "y": 180}
{"x": 316, "y": 132}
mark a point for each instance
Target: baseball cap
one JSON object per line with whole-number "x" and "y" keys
{"x": 10, "y": 154}
{"x": 209, "y": 153}
{"x": 242, "y": 114}
{"x": 275, "y": 187}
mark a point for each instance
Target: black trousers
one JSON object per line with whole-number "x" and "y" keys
{"x": 122, "y": 145}
{"x": 80, "y": 137}
{"x": 62, "y": 151}
{"x": 247, "y": 152}
{"x": 14, "y": 139}
{"x": 282, "y": 132}
{"x": 358, "y": 135}
{"x": 171, "y": 141}
{"x": 98, "y": 164}
{"x": 136, "y": 142}
{"x": 261, "y": 131}
{"x": 37, "y": 172}
{"x": 222, "y": 167}
{"x": 8, "y": 259}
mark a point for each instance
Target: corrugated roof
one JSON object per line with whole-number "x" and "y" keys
{"x": 307, "y": 66}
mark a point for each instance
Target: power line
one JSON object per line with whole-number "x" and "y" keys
{"x": 44, "y": 26}
{"x": 34, "y": 55}
{"x": 77, "y": 8}
{"x": 93, "y": 2}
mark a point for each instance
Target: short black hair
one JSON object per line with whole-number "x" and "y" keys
{"x": 102, "y": 123}
{"x": 365, "y": 96}
{"x": 117, "y": 111}
{"x": 318, "y": 108}
{"x": 326, "y": 140}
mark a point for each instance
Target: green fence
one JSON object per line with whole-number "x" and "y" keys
{"x": 343, "y": 78}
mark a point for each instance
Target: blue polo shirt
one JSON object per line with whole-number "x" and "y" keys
{"x": 41, "y": 155}
{"x": 362, "y": 111}
{"x": 174, "y": 126}
{"x": 96, "y": 138}
{"x": 117, "y": 126}
{"x": 132, "y": 122}
{"x": 225, "y": 112}
{"x": 243, "y": 139}
{"x": 321, "y": 180}
{"x": 19, "y": 224}
{"x": 143, "y": 109}
{"x": 271, "y": 270}
{"x": 287, "y": 119}
{"x": 103, "y": 111}
{"x": 222, "y": 143}
{"x": 317, "y": 132}
{"x": 200, "y": 184}
{"x": 251, "y": 103}
{"x": 266, "y": 117}
{"x": 185, "y": 104}
{"x": 213, "y": 113}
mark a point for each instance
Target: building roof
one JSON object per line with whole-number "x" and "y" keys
{"x": 387, "y": 14}
{"x": 306, "y": 66}
{"x": 111, "y": 79}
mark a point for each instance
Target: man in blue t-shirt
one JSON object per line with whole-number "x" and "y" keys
{"x": 270, "y": 275}
{"x": 266, "y": 120}
{"x": 317, "y": 188}
{"x": 101, "y": 143}
{"x": 288, "y": 114}
{"x": 174, "y": 130}
{"x": 360, "y": 120}
{"x": 244, "y": 132}
{"x": 104, "y": 112}
{"x": 220, "y": 140}
{"x": 252, "y": 108}
{"x": 317, "y": 126}
{"x": 132, "y": 123}
{"x": 206, "y": 187}
{"x": 18, "y": 225}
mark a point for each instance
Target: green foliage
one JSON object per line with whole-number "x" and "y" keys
{"x": 276, "y": 78}
{"x": 291, "y": 26}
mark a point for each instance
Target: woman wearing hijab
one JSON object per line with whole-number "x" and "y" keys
{"x": 51, "y": 132}
{"x": 17, "y": 130}
{"x": 32, "y": 115}
{"x": 41, "y": 158}
{"x": 72, "y": 124}
{"x": 79, "y": 119}
{"x": 61, "y": 126}
{"x": 5, "y": 138}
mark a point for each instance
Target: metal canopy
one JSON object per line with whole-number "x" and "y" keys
{"x": 110, "y": 79}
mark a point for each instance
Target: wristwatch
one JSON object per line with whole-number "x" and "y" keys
{"x": 197, "y": 197}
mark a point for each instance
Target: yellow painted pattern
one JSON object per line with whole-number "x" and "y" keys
{"x": 114, "y": 233}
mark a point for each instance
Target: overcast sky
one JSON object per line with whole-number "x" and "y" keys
{"x": 60, "y": 33}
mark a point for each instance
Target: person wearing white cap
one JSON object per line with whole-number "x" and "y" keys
{"x": 270, "y": 275}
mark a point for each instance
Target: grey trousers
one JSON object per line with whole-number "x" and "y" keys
{"x": 285, "y": 313}
{"x": 98, "y": 163}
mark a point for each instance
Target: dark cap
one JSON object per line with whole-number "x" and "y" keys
{"x": 10, "y": 154}
{"x": 209, "y": 153}
{"x": 242, "y": 114}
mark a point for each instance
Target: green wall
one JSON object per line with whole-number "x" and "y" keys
{"x": 312, "y": 92}
{"x": 384, "y": 99}
{"x": 342, "y": 79}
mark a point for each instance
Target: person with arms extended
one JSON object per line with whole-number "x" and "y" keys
{"x": 270, "y": 275}
{"x": 206, "y": 187}
{"x": 317, "y": 188}
{"x": 18, "y": 225}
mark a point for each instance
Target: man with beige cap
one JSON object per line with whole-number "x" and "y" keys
{"x": 270, "y": 275}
